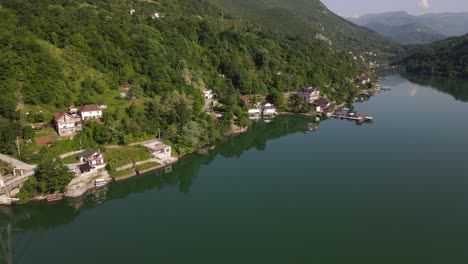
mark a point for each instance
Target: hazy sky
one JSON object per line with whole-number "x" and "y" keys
{"x": 415, "y": 7}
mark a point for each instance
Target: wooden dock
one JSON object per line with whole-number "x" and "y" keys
{"x": 358, "y": 117}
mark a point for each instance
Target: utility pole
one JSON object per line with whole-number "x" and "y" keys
{"x": 18, "y": 145}
{"x": 159, "y": 134}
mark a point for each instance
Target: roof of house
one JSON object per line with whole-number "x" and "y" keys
{"x": 309, "y": 89}
{"x": 89, "y": 108}
{"x": 87, "y": 153}
{"x": 363, "y": 77}
{"x": 63, "y": 117}
{"x": 159, "y": 147}
{"x": 266, "y": 105}
{"x": 126, "y": 86}
{"x": 85, "y": 167}
{"x": 245, "y": 98}
{"x": 322, "y": 102}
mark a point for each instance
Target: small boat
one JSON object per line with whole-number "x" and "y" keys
{"x": 54, "y": 197}
{"x": 369, "y": 118}
{"x": 100, "y": 182}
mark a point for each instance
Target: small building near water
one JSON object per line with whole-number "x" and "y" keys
{"x": 309, "y": 94}
{"x": 159, "y": 150}
{"x": 321, "y": 104}
{"x": 254, "y": 112}
{"x": 92, "y": 160}
{"x": 268, "y": 109}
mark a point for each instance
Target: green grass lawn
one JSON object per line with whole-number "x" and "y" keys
{"x": 122, "y": 173}
{"x": 147, "y": 166}
{"x": 127, "y": 155}
{"x": 70, "y": 159}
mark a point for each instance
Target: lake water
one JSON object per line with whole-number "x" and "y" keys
{"x": 395, "y": 191}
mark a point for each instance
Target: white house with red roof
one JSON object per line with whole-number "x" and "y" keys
{"x": 90, "y": 112}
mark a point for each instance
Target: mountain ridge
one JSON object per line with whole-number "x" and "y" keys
{"x": 404, "y": 28}
{"x": 309, "y": 19}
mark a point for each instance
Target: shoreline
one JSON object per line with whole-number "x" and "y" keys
{"x": 82, "y": 190}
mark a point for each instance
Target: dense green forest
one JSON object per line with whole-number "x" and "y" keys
{"x": 57, "y": 53}
{"x": 310, "y": 19}
{"x": 444, "y": 58}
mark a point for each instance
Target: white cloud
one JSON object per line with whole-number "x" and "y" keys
{"x": 424, "y": 4}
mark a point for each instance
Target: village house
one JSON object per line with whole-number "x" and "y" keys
{"x": 72, "y": 110}
{"x": 90, "y": 112}
{"x": 363, "y": 79}
{"x": 254, "y": 112}
{"x": 157, "y": 15}
{"x": 268, "y": 109}
{"x": 209, "y": 94}
{"x": 66, "y": 124}
{"x": 309, "y": 94}
{"x": 159, "y": 150}
{"x": 91, "y": 160}
{"x": 245, "y": 99}
{"x": 321, "y": 104}
{"x": 126, "y": 86}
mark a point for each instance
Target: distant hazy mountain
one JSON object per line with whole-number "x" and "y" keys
{"x": 404, "y": 28}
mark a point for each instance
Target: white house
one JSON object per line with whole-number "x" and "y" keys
{"x": 91, "y": 160}
{"x": 363, "y": 79}
{"x": 268, "y": 109}
{"x": 90, "y": 112}
{"x": 309, "y": 94}
{"x": 159, "y": 150}
{"x": 157, "y": 15}
{"x": 67, "y": 125}
{"x": 208, "y": 94}
{"x": 254, "y": 112}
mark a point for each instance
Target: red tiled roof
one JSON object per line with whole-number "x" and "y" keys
{"x": 89, "y": 108}
{"x": 126, "y": 86}
{"x": 245, "y": 98}
{"x": 63, "y": 117}
{"x": 58, "y": 115}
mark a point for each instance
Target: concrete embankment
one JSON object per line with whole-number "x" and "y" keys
{"x": 135, "y": 172}
{"x": 80, "y": 186}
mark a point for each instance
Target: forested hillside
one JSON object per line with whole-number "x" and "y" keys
{"x": 443, "y": 58}
{"x": 309, "y": 19}
{"x": 57, "y": 53}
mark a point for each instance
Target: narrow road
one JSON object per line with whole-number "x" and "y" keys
{"x": 17, "y": 163}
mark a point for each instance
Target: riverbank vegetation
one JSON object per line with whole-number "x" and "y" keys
{"x": 51, "y": 177}
{"x": 444, "y": 58}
